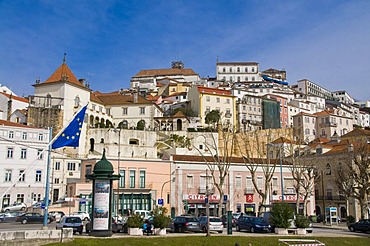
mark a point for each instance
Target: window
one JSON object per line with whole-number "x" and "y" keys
{"x": 24, "y": 135}
{"x": 77, "y": 101}
{"x": 23, "y": 153}
{"x": 11, "y": 134}
{"x": 10, "y": 153}
{"x": 227, "y": 100}
{"x": 328, "y": 169}
{"x": 249, "y": 185}
{"x": 208, "y": 109}
{"x": 71, "y": 166}
{"x": 20, "y": 197}
{"x": 208, "y": 99}
{"x": 142, "y": 179}
{"x": 246, "y": 70}
{"x": 189, "y": 181}
{"x": 275, "y": 182}
{"x": 22, "y": 174}
{"x": 329, "y": 194}
{"x": 57, "y": 165}
{"x": 238, "y": 69}
{"x": 108, "y": 111}
{"x": 41, "y": 137}
{"x": 142, "y": 110}
{"x": 124, "y": 111}
{"x": 132, "y": 178}
{"x": 259, "y": 182}
{"x": 56, "y": 181}
{"x": 39, "y": 154}
{"x": 122, "y": 173}
{"x": 38, "y": 176}
{"x": 223, "y": 69}
{"x": 238, "y": 183}
{"x": 8, "y": 175}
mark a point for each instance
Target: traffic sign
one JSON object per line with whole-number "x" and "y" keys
{"x": 206, "y": 200}
{"x": 225, "y": 198}
{"x": 160, "y": 201}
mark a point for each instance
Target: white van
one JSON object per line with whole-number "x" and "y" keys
{"x": 144, "y": 213}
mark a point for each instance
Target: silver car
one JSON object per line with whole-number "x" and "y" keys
{"x": 17, "y": 206}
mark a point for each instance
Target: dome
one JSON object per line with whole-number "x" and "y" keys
{"x": 103, "y": 166}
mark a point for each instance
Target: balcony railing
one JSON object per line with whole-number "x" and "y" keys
{"x": 203, "y": 190}
{"x": 248, "y": 191}
{"x": 330, "y": 198}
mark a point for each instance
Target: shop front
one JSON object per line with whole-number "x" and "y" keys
{"x": 292, "y": 200}
{"x": 197, "y": 204}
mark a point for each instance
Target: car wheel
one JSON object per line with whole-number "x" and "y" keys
{"x": 351, "y": 228}
{"x": 23, "y": 208}
{"x": 49, "y": 221}
{"x": 24, "y": 221}
{"x": 253, "y": 230}
{"x": 80, "y": 232}
{"x": 86, "y": 219}
{"x": 220, "y": 232}
{"x": 7, "y": 210}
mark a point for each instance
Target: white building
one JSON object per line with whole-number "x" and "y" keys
{"x": 238, "y": 71}
{"x": 343, "y": 97}
{"x": 23, "y": 164}
{"x": 9, "y": 103}
{"x": 310, "y": 88}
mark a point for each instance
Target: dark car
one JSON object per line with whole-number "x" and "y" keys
{"x": 361, "y": 225}
{"x": 31, "y": 218}
{"x": 184, "y": 223}
{"x": 9, "y": 217}
{"x": 73, "y": 222}
{"x": 252, "y": 224}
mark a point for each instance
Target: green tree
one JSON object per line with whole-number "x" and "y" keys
{"x": 140, "y": 125}
{"x": 281, "y": 214}
{"x": 213, "y": 118}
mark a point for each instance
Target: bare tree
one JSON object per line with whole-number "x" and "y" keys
{"x": 353, "y": 176}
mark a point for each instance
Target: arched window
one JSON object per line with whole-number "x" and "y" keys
{"x": 238, "y": 79}
{"x": 134, "y": 141}
{"x": 48, "y": 100}
{"x": 238, "y": 69}
{"x": 328, "y": 169}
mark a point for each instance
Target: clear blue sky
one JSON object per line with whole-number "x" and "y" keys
{"x": 107, "y": 42}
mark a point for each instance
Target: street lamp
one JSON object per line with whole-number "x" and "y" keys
{"x": 173, "y": 180}
{"x": 119, "y": 160}
{"x": 281, "y": 172}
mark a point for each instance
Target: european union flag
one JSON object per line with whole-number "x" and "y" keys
{"x": 71, "y": 134}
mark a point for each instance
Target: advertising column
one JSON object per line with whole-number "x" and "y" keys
{"x": 101, "y": 205}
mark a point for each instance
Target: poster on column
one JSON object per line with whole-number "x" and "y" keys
{"x": 101, "y": 205}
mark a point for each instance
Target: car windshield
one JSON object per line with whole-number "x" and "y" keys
{"x": 73, "y": 220}
{"x": 255, "y": 219}
{"x": 215, "y": 220}
{"x": 191, "y": 219}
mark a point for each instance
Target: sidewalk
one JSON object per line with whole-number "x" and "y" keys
{"x": 340, "y": 226}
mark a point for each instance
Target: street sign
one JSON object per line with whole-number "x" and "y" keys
{"x": 206, "y": 200}
{"x": 225, "y": 198}
{"x": 160, "y": 201}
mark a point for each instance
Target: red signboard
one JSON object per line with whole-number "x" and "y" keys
{"x": 249, "y": 198}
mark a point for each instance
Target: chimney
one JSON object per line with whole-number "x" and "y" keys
{"x": 10, "y": 104}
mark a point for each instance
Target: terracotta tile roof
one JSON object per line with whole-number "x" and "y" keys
{"x": 165, "y": 72}
{"x": 152, "y": 98}
{"x": 283, "y": 140}
{"x": 357, "y": 132}
{"x": 115, "y": 98}
{"x": 324, "y": 112}
{"x": 9, "y": 123}
{"x": 63, "y": 73}
{"x": 22, "y": 99}
{"x": 208, "y": 90}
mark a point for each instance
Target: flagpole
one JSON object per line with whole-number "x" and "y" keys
{"x": 47, "y": 188}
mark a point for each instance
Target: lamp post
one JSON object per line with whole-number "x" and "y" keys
{"x": 173, "y": 180}
{"x": 207, "y": 203}
{"x": 281, "y": 172}
{"x": 118, "y": 168}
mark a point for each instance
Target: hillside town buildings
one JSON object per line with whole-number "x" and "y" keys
{"x": 155, "y": 135}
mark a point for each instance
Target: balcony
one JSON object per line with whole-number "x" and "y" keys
{"x": 203, "y": 190}
{"x": 330, "y": 198}
{"x": 328, "y": 124}
{"x": 248, "y": 191}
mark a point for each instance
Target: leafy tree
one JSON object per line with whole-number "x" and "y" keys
{"x": 188, "y": 112}
{"x": 160, "y": 219}
{"x": 281, "y": 214}
{"x": 140, "y": 125}
{"x": 213, "y": 117}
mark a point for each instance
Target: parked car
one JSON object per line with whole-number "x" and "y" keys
{"x": 31, "y": 218}
{"x": 361, "y": 225}
{"x": 252, "y": 224}
{"x": 266, "y": 218}
{"x": 235, "y": 219}
{"x": 73, "y": 222}
{"x": 215, "y": 224}
{"x": 144, "y": 213}
{"x": 83, "y": 215}
{"x": 17, "y": 206}
{"x": 56, "y": 215}
{"x": 184, "y": 223}
{"x": 8, "y": 217}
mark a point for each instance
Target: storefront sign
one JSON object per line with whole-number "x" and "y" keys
{"x": 287, "y": 198}
{"x": 197, "y": 198}
{"x": 249, "y": 198}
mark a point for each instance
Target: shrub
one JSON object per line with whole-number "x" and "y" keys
{"x": 281, "y": 214}
{"x": 135, "y": 221}
{"x": 302, "y": 221}
{"x": 160, "y": 219}
{"x": 351, "y": 219}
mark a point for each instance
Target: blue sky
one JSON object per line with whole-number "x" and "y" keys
{"x": 108, "y": 42}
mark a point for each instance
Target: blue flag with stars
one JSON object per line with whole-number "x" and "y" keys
{"x": 71, "y": 134}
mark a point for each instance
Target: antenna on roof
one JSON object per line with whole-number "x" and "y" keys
{"x": 64, "y": 59}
